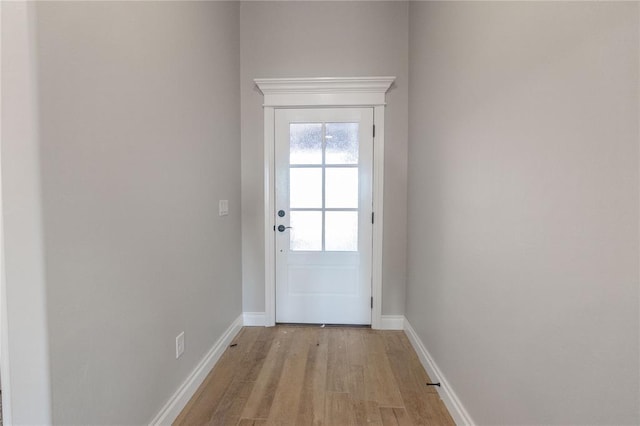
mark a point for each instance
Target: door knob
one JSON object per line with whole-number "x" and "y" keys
{"x": 282, "y": 228}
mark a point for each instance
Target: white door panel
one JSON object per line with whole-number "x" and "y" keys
{"x": 323, "y": 206}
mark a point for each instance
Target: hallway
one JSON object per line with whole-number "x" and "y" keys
{"x": 140, "y": 221}
{"x": 311, "y": 375}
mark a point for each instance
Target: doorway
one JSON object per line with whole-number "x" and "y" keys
{"x": 317, "y": 93}
{"x": 323, "y": 215}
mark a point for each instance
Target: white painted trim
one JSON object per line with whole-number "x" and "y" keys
{"x": 25, "y": 369}
{"x": 269, "y": 215}
{"x": 392, "y": 322}
{"x": 327, "y": 91}
{"x": 449, "y": 397}
{"x": 323, "y": 92}
{"x": 254, "y": 319}
{"x": 378, "y": 224}
{"x": 181, "y": 397}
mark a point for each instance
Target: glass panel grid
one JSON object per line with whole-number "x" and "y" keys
{"x": 304, "y": 233}
{"x": 306, "y": 142}
{"x": 341, "y": 185}
{"x": 341, "y": 143}
{"x": 336, "y": 205}
{"x": 306, "y": 187}
{"x": 341, "y": 232}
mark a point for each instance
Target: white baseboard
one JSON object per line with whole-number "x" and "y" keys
{"x": 179, "y": 400}
{"x": 392, "y": 322}
{"x": 254, "y": 319}
{"x": 449, "y": 397}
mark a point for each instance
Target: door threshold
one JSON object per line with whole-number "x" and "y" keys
{"x": 298, "y": 324}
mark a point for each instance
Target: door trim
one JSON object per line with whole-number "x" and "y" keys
{"x": 323, "y": 93}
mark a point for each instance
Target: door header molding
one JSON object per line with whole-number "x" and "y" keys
{"x": 324, "y": 91}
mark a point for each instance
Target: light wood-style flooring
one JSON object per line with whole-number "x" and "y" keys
{"x": 334, "y": 376}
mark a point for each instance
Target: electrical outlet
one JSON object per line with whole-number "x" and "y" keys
{"x": 179, "y": 345}
{"x": 223, "y": 207}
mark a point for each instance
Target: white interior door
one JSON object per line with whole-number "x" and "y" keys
{"x": 323, "y": 208}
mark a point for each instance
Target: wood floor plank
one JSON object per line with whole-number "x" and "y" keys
{"x": 287, "y": 395}
{"x": 339, "y": 409}
{"x": 367, "y": 413}
{"x": 356, "y": 350}
{"x": 259, "y": 402}
{"x": 337, "y": 362}
{"x": 312, "y": 405}
{"x": 393, "y": 340}
{"x": 261, "y": 349}
{"x": 252, "y": 422}
{"x": 421, "y": 404}
{"x": 356, "y": 382}
{"x": 230, "y": 408}
{"x": 416, "y": 366}
{"x": 356, "y": 362}
{"x": 392, "y": 416}
{"x": 380, "y": 383}
{"x": 413, "y": 360}
{"x": 439, "y": 413}
{"x": 206, "y": 399}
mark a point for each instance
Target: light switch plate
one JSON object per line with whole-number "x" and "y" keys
{"x": 179, "y": 345}
{"x": 223, "y": 207}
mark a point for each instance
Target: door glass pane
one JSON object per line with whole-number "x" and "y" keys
{"x": 305, "y": 143}
{"x": 342, "y": 143}
{"x": 341, "y": 190}
{"x": 305, "y": 186}
{"x": 341, "y": 231}
{"x": 306, "y": 231}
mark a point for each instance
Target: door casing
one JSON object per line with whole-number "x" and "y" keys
{"x": 318, "y": 93}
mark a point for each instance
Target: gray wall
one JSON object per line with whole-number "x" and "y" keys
{"x": 25, "y": 360}
{"x": 324, "y": 39}
{"x": 140, "y": 127}
{"x": 523, "y": 207}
